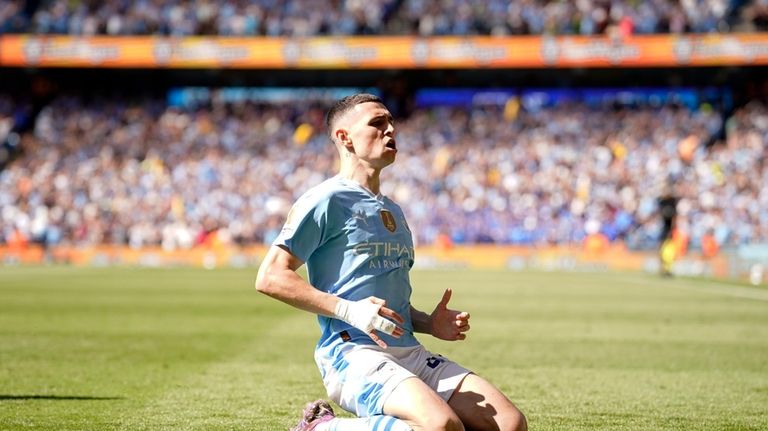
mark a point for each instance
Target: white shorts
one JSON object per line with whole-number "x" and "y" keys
{"x": 370, "y": 374}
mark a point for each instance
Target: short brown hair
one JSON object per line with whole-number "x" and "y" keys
{"x": 341, "y": 106}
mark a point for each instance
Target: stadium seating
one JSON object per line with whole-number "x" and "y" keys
{"x": 380, "y": 17}
{"x": 145, "y": 173}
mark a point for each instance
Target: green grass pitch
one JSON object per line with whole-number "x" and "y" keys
{"x": 188, "y": 349}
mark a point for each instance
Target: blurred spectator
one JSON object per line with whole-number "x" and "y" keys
{"x": 595, "y": 242}
{"x": 709, "y": 245}
{"x": 13, "y": 18}
{"x": 753, "y": 17}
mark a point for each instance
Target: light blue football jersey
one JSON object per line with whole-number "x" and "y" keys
{"x": 355, "y": 245}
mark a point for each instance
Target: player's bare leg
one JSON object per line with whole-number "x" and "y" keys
{"x": 422, "y": 408}
{"x": 482, "y": 407}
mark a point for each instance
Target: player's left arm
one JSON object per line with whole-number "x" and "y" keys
{"x": 443, "y": 323}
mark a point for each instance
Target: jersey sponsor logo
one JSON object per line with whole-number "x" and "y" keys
{"x": 387, "y": 264}
{"x": 384, "y": 249}
{"x": 385, "y": 255}
{"x": 389, "y": 220}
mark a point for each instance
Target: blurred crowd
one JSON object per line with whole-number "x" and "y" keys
{"x": 145, "y": 174}
{"x": 379, "y": 17}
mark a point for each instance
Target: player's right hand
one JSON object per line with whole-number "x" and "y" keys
{"x": 370, "y": 315}
{"x": 447, "y": 324}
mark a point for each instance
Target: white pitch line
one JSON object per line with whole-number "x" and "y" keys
{"x": 713, "y": 288}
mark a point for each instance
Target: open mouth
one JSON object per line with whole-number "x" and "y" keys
{"x": 391, "y": 144}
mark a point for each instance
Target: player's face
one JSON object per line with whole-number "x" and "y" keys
{"x": 372, "y": 134}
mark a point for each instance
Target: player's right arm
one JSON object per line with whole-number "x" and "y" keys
{"x": 278, "y": 279}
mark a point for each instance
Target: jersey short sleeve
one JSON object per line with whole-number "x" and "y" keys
{"x": 305, "y": 225}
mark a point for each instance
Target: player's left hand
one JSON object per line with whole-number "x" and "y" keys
{"x": 448, "y": 324}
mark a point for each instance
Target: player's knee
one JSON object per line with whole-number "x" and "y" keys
{"x": 513, "y": 420}
{"x": 451, "y": 424}
{"x": 454, "y": 424}
{"x": 444, "y": 421}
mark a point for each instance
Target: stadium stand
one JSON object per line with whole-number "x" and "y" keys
{"x": 145, "y": 173}
{"x": 300, "y": 18}
{"x": 82, "y": 165}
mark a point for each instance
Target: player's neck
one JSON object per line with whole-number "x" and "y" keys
{"x": 366, "y": 176}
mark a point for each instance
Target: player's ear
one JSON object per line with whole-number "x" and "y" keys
{"x": 342, "y": 136}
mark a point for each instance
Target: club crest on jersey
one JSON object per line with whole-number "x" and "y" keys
{"x": 389, "y": 220}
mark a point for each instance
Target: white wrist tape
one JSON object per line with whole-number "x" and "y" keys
{"x": 363, "y": 315}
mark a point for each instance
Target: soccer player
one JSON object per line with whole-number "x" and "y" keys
{"x": 667, "y": 204}
{"x": 358, "y": 249}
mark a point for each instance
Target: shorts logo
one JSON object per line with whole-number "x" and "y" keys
{"x": 434, "y": 361}
{"x": 389, "y": 220}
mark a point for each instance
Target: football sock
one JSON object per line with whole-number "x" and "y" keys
{"x": 373, "y": 423}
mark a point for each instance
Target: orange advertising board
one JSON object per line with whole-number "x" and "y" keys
{"x": 479, "y": 257}
{"x": 385, "y": 52}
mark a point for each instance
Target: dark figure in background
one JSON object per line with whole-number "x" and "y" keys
{"x": 668, "y": 210}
